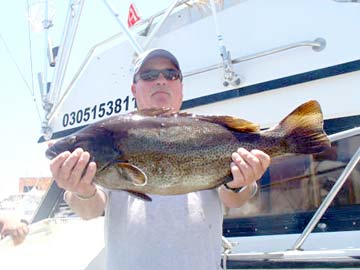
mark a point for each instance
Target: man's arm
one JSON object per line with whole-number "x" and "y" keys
{"x": 74, "y": 173}
{"x": 15, "y": 227}
{"x": 247, "y": 167}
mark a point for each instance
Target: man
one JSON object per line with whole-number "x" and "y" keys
{"x": 177, "y": 232}
{"x": 14, "y": 227}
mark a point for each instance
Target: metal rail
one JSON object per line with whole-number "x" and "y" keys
{"x": 138, "y": 48}
{"x": 317, "y": 45}
{"x": 344, "y": 134}
{"x": 229, "y": 75}
{"x": 335, "y": 189}
{"x": 317, "y": 216}
{"x": 160, "y": 24}
{"x": 65, "y": 48}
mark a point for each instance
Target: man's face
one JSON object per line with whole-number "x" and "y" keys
{"x": 159, "y": 93}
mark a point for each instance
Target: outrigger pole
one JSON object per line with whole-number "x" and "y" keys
{"x": 52, "y": 96}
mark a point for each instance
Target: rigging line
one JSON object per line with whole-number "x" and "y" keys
{"x": 31, "y": 67}
{"x": 21, "y": 74}
{"x": 30, "y": 50}
{"x": 17, "y": 66}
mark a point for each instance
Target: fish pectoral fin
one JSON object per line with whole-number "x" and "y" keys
{"x": 139, "y": 195}
{"x": 132, "y": 173}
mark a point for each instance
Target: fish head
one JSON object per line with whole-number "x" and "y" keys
{"x": 97, "y": 141}
{"x": 66, "y": 144}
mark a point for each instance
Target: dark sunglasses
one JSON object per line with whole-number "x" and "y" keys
{"x": 169, "y": 74}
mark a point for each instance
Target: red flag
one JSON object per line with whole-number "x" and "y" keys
{"x": 133, "y": 17}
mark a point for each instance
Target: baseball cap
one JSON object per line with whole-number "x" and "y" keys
{"x": 153, "y": 53}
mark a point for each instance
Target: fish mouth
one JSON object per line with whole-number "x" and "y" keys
{"x": 51, "y": 153}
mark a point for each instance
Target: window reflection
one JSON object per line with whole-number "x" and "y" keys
{"x": 300, "y": 183}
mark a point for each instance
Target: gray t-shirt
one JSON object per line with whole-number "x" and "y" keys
{"x": 170, "y": 232}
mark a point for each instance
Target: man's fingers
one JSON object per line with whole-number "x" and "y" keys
{"x": 18, "y": 237}
{"x": 67, "y": 168}
{"x": 71, "y": 161}
{"x": 248, "y": 166}
{"x": 90, "y": 173}
{"x": 263, "y": 158}
{"x": 24, "y": 230}
{"x": 238, "y": 177}
{"x": 72, "y": 171}
{"x": 57, "y": 162}
{"x": 78, "y": 170}
{"x": 246, "y": 163}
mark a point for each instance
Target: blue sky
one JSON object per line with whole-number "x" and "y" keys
{"x": 20, "y": 110}
{"x": 19, "y": 118}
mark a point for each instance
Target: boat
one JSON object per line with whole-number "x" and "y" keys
{"x": 257, "y": 60}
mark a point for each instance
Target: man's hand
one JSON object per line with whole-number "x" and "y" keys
{"x": 247, "y": 167}
{"x": 15, "y": 228}
{"x": 72, "y": 172}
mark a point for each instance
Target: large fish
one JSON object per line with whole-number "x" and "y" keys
{"x": 154, "y": 152}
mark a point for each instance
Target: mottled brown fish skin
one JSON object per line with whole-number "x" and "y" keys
{"x": 191, "y": 155}
{"x": 182, "y": 153}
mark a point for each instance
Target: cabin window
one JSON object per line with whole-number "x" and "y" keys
{"x": 300, "y": 183}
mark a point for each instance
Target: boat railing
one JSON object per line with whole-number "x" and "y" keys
{"x": 334, "y": 190}
{"x": 227, "y": 246}
{"x": 317, "y": 45}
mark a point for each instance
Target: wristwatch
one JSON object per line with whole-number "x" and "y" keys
{"x": 236, "y": 190}
{"x": 253, "y": 186}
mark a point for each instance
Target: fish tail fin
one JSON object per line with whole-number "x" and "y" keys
{"x": 302, "y": 130}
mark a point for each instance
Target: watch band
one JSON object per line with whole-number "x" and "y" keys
{"x": 253, "y": 186}
{"x": 236, "y": 190}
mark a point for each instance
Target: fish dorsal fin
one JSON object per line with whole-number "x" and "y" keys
{"x": 302, "y": 130}
{"x": 237, "y": 124}
{"x": 131, "y": 173}
{"x": 154, "y": 111}
{"x": 230, "y": 122}
{"x": 307, "y": 114}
